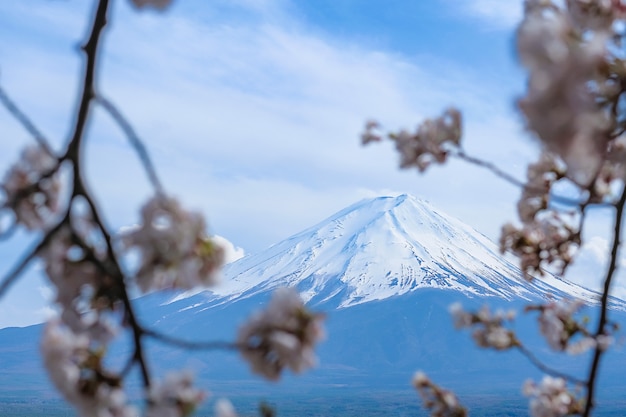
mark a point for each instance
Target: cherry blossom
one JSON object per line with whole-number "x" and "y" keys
{"x": 429, "y": 144}
{"x": 175, "y": 396}
{"x": 174, "y": 247}
{"x": 559, "y": 106}
{"x": 440, "y": 402}
{"x": 281, "y": 336}
{"x": 489, "y": 330}
{"x": 75, "y": 370}
{"x": 559, "y": 326}
{"x": 549, "y": 240}
{"x": 551, "y": 398}
{"x": 32, "y": 188}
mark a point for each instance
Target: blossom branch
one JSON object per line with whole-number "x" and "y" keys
{"x": 602, "y": 321}
{"x": 134, "y": 140}
{"x": 545, "y": 368}
{"x": 117, "y": 274}
{"x": 15, "y": 273}
{"x": 90, "y": 49}
{"x": 24, "y": 120}
{"x": 511, "y": 179}
{"x": 192, "y": 345}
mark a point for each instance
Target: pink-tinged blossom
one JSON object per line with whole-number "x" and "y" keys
{"x": 489, "y": 330}
{"x": 371, "y": 132}
{"x": 281, "y": 336}
{"x": 559, "y": 326}
{"x": 594, "y": 14}
{"x": 81, "y": 287}
{"x": 551, "y": 398}
{"x": 441, "y": 402}
{"x": 546, "y": 240}
{"x": 613, "y": 170}
{"x": 560, "y": 106}
{"x": 32, "y": 189}
{"x": 175, "y": 396}
{"x": 156, "y": 4}
{"x": 75, "y": 371}
{"x": 174, "y": 247}
{"x": 429, "y": 144}
{"x": 540, "y": 177}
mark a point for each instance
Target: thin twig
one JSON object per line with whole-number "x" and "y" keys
{"x": 602, "y": 321}
{"x": 546, "y": 369}
{"x": 17, "y": 270}
{"x": 131, "y": 317}
{"x": 24, "y": 120}
{"x": 512, "y": 180}
{"x": 193, "y": 345}
{"x": 134, "y": 140}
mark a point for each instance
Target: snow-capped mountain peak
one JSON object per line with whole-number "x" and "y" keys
{"x": 384, "y": 247}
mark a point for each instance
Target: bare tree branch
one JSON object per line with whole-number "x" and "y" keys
{"x": 546, "y": 369}
{"x": 602, "y": 321}
{"x": 25, "y": 121}
{"x": 17, "y": 270}
{"x": 193, "y": 345}
{"x": 512, "y": 180}
{"x": 134, "y": 140}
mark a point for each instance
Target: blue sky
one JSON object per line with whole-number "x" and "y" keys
{"x": 252, "y": 109}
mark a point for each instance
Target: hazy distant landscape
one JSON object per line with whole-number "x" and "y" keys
{"x": 378, "y": 270}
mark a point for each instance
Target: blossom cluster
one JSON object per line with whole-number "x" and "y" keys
{"x": 430, "y": 143}
{"x": 576, "y": 70}
{"x": 551, "y": 398}
{"x": 281, "y": 336}
{"x": 32, "y": 188}
{"x": 174, "y": 248}
{"x": 547, "y": 240}
{"x": 83, "y": 266}
{"x": 489, "y": 330}
{"x": 560, "y": 327}
{"x": 440, "y": 402}
{"x": 175, "y": 396}
{"x": 74, "y": 366}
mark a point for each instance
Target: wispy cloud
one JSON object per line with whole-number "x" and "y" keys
{"x": 499, "y": 14}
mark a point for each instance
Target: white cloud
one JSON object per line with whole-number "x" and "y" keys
{"x": 503, "y": 14}
{"x": 231, "y": 252}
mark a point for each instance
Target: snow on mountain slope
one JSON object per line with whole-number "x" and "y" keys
{"x": 383, "y": 247}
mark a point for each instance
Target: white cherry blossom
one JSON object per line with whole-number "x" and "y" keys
{"x": 174, "y": 247}
{"x": 175, "y": 396}
{"x": 281, "y": 336}
{"x": 31, "y": 190}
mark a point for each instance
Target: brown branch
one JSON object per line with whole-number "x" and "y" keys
{"x": 602, "y": 321}
{"x": 514, "y": 181}
{"x": 73, "y": 153}
{"x": 134, "y": 140}
{"x": 24, "y": 120}
{"x": 546, "y": 369}
{"x": 116, "y": 272}
{"x": 90, "y": 49}
{"x": 17, "y": 270}
{"x": 193, "y": 345}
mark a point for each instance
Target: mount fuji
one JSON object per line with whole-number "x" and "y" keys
{"x": 385, "y": 271}
{"x": 386, "y": 247}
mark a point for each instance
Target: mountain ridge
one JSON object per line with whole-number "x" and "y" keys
{"x": 383, "y": 247}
